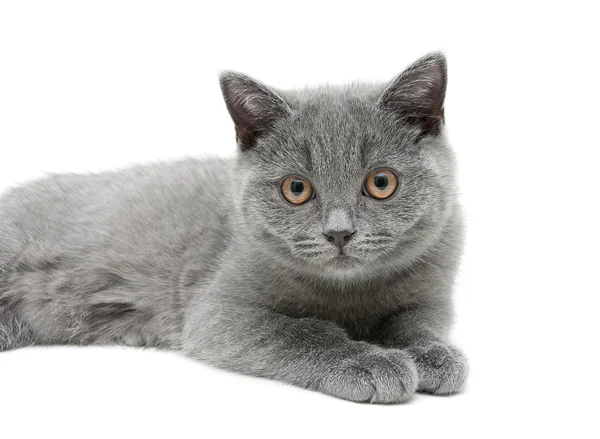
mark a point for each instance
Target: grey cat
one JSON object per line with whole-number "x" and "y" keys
{"x": 323, "y": 256}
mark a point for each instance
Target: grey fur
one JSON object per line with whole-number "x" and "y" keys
{"x": 207, "y": 258}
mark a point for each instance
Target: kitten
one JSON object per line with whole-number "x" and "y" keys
{"x": 323, "y": 256}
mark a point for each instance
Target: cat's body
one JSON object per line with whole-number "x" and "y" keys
{"x": 207, "y": 257}
{"x": 111, "y": 258}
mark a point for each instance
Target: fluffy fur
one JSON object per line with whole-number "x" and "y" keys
{"x": 207, "y": 258}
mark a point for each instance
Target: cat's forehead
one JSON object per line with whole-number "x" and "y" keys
{"x": 335, "y": 103}
{"x": 337, "y": 129}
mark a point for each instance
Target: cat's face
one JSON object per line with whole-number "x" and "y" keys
{"x": 342, "y": 180}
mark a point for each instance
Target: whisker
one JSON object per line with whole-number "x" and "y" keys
{"x": 307, "y": 245}
{"x": 374, "y": 241}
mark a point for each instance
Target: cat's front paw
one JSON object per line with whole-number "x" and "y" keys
{"x": 375, "y": 376}
{"x": 443, "y": 369}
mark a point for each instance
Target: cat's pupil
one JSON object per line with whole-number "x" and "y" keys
{"x": 297, "y": 187}
{"x": 381, "y": 181}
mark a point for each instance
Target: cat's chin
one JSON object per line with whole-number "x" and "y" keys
{"x": 344, "y": 268}
{"x": 335, "y": 265}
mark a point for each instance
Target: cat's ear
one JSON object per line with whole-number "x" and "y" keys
{"x": 417, "y": 94}
{"x": 253, "y": 106}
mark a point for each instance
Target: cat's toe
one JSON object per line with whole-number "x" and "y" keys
{"x": 395, "y": 377}
{"x": 379, "y": 376}
{"x": 443, "y": 370}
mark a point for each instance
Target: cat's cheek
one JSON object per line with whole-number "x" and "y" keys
{"x": 294, "y": 224}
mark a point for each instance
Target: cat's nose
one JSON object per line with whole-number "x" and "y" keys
{"x": 339, "y": 237}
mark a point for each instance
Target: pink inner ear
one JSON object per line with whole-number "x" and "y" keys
{"x": 417, "y": 95}
{"x": 252, "y": 106}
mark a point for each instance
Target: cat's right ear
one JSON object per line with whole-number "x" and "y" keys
{"x": 253, "y": 106}
{"x": 417, "y": 95}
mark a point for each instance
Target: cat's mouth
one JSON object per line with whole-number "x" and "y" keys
{"x": 343, "y": 259}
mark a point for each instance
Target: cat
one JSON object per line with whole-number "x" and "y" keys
{"x": 322, "y": 256}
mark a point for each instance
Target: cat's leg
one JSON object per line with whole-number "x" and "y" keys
{"x": 14, "y": 331}
{"x": 309, "y": 353}
{"x": 442, "y": 368}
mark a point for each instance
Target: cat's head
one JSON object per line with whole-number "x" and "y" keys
{"x": 342, "y": 180}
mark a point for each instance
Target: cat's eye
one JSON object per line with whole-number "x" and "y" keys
{"x": 381, "y": 184}
{"x": 296, "y": 190}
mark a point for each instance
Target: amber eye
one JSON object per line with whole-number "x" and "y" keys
{"x": 296, "y": 190}
{"x": 381, "y": 184}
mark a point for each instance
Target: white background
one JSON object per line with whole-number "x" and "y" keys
{"x": 90, "y": 86}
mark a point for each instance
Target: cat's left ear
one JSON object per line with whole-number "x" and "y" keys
{"x": 253, "y": 106}
{"x": 417, "y": 94}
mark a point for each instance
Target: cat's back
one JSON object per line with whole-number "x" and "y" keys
{"x": 142, "y": 204}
